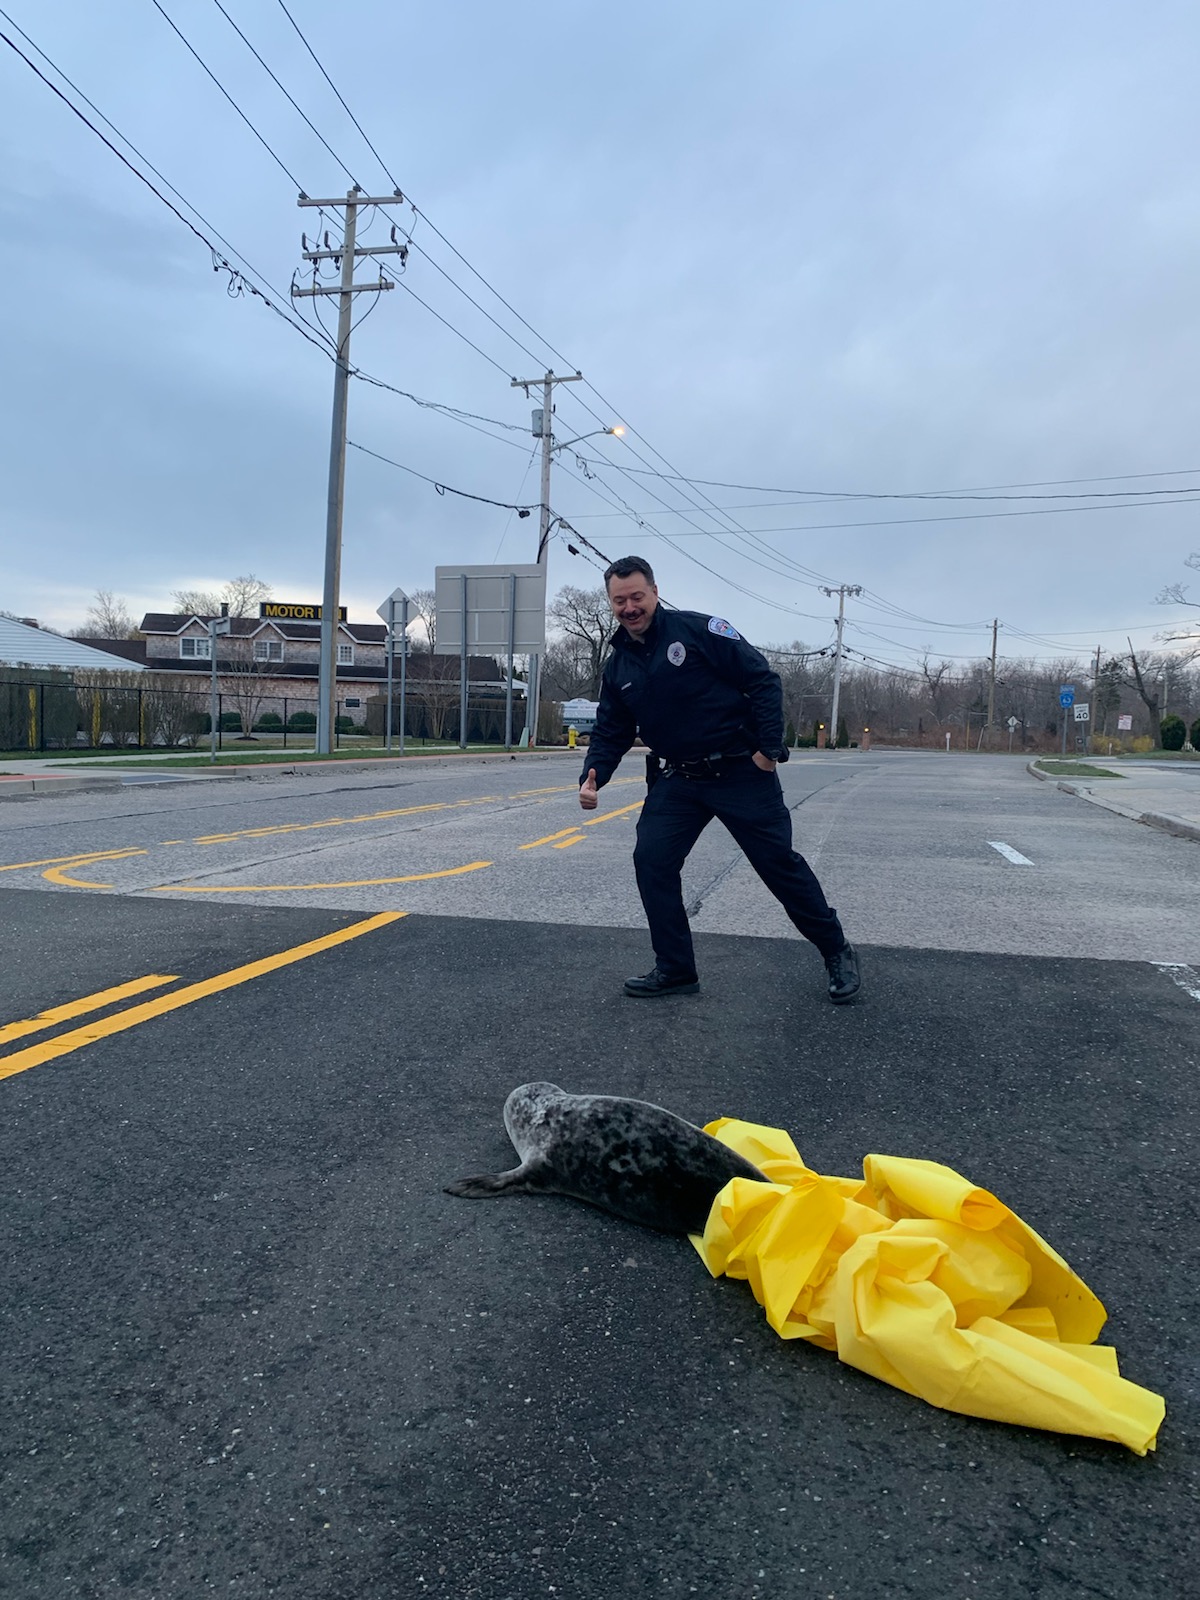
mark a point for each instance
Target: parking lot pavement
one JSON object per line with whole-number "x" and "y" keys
{"x": 1162, "y": 794}
{"x": 251, "y": 1347}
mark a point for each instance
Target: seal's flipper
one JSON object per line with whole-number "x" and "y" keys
{"x": 528, "y": 1178}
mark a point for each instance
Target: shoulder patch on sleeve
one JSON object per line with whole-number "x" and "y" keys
{"x": 724, "y": 629}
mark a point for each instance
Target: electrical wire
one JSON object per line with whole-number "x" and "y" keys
{"x": 336, "y": 91}
{"x": 443, "y": 488}
{"x": 816, "y": 496}
{"x": 274, "y": 156}
{"x": 238, "y": 281}
{"x": 283, "y": 91}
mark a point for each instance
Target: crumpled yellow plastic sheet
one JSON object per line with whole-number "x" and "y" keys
{"x": 919, "y": 1278}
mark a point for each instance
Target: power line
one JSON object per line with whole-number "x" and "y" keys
{"x": 443, "y": 488}
{"x": 238, "y": 281}
{"x": 283, "y": 91}
{"x": 337, "y": 92}
{"x": 1193, "y": 495}
{"x": 817, "y": 495}
{"x": 274, "y": 157}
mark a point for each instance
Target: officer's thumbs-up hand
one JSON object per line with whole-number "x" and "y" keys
{"x": 588, "y": 797}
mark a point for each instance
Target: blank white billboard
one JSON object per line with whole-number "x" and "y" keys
{"x": 491, "y": 614}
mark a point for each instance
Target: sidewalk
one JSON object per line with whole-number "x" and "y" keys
{"x": 1161, "y": 795}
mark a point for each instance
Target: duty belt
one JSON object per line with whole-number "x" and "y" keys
{"x": 705, "y": 767}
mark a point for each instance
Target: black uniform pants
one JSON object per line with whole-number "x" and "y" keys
{"x": 750, "y": 804}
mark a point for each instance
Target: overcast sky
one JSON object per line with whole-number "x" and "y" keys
{"x": 867, "y": 248}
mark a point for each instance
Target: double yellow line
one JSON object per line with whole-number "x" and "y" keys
{"x": 64, "y": 1043}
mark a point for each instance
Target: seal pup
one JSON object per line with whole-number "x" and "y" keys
{"x": 626, "y": 1156}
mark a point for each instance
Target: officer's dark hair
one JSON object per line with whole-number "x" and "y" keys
{"x": 627, "y": 566}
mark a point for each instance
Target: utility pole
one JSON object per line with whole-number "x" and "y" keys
{"x": 991, "y": 717}
{"x": 346, "y": 255}
{"x": 533, "y": 688}
{"x": 841, "y": 591}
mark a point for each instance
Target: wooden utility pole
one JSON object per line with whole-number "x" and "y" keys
{"x": 841, "y": 591}
{"x": 991, "y": 716}
{"x": 533, "y": 687}
{"x": 345, "y": 254}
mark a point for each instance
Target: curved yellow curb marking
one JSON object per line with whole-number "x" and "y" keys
{"x": 118, "y": 1023}
{"x": 60, "y": 874}
{"x": 80, "y": 1008}
{"x": 292, "y": 888}
{"x": 79, "y": 859}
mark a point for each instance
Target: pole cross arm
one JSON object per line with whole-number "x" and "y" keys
{"x": 336, "y": 255}
{"x": 547, "y": 377}
{"x": 355, "y": 288}
{"x": 396, "y": 199}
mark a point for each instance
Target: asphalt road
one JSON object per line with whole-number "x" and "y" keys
{"x": 251, "y": 1348}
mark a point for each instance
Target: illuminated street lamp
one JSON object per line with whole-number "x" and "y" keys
{"x": 617, "y": 432}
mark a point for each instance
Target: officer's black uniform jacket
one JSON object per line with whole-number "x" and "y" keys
{"x": 691, "y": 687}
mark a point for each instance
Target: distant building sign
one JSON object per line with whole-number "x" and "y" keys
{"x": 1125, "y": 722}
{"x": 292, "y": 611}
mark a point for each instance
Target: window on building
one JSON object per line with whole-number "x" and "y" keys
{"x": 351, "y": 704}
{"x": 268, "y": 649}
{"x": 194, "y": 649}
{"x": 345, "y": 655}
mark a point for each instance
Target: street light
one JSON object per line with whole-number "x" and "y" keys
{"x": 618, "y": 432}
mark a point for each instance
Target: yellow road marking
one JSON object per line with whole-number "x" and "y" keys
{"x": 22, "y": 1060}
{"x": 80, "y": 1008}
{"x": 78, "y": 860}
{"x": 59, "y": 874}
{"x": 564, "y": 844}
{"x": 590, "y": 823}
{"x": 342, "y": 822}
{"x": 609, "y": 815}
{"x": 550, "y": 837}
{"x": 292, "y": 888}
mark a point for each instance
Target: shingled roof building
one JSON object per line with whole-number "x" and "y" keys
{"x": 284, "y": 658}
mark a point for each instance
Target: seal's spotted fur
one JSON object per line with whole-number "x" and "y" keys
{"x": 627, "y": 1156}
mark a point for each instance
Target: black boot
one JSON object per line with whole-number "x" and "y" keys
{"x": 844, "y": 980}
{"x": 654, "y": 984}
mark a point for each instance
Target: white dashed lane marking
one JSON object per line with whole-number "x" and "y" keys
{"x": 1009, "y": 854}
{"x": 1187, "y": 979}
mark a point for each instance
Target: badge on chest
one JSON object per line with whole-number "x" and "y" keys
{"x": 676, "y": 654}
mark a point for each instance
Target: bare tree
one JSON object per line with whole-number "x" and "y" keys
{"x": 567, "y": 670}
{"x": 1147, "y": 680}
{"x": 244, "y": 672}
{"x": 241, "y": 595}
{"x": 585, "y": 617}
{"x": 436, "y": 691}
{"x": 108, "y": 617}
{"x": 422, "y": 607}
{"x": 940, "y": 688}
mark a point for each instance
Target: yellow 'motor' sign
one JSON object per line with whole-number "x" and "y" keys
{"x": 293, "y": 611}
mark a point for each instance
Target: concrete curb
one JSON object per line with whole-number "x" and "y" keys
{"x": 30, "y": 786}
{"x": 1161, "y": 820}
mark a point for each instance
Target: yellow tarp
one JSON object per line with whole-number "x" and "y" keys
{"x": 919, "y": 1278}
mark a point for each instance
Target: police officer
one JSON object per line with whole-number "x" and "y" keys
{"x": 711, "y": 709}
